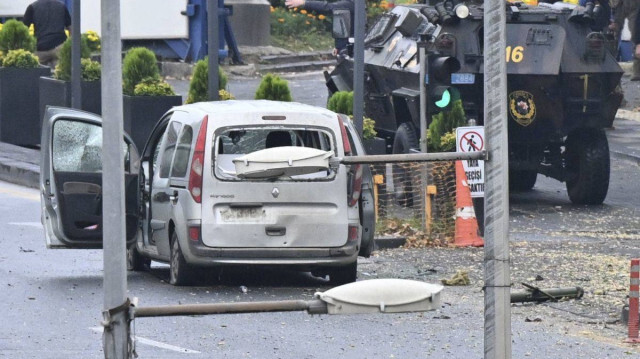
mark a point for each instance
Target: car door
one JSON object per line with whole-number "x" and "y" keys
{"x": 366, "y": 202}
{"x": 71, "y": 179}
{"x": 162, "y": 195}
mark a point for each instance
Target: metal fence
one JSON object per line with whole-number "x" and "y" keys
{"x": 407, "y": 205}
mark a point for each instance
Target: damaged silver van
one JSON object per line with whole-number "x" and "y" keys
{"x": 218, "y": 183}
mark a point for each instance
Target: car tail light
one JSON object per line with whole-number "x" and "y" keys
{"x": 355, "y": 184}
{"x": 594, "y": 47}
{"x": 345, "y": 138}
{"x": 194, "y": 233}
{"x": 353, "y": 233}
{"x": 197, "y": 163}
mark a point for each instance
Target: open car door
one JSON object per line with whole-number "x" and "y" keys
{"x": 71, "y": 179}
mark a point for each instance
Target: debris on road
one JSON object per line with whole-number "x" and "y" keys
{"x": 460, "y": 278}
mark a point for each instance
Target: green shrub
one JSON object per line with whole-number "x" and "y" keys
{"x": 15, "y": 35}
{"x": 442, "y": 128}
{"x": 91, "y": 70}
{"x": 273, "y": 88}
{"x": 93, "y": 40}
{"x": 20, "y": 58}
{"x": 199, "y": 85}
{"x": 225, "y": 95}
{"x": 153, "y": 87}
{"x": 368, "y": 128}
{"x": 63, "y": 69}
{"x": 139, "y": 63}
{"x": 341, "y": 102}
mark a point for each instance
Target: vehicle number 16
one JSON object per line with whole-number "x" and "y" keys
{"x": 515, "y": 54}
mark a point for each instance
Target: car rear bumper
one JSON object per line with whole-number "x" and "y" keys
{"x": 199, "y": 254}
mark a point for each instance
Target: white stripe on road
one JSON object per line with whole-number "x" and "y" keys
{"x": 156, "y": 344}
{"x": 31, "y": 195}
{"x": 26, "y": 224}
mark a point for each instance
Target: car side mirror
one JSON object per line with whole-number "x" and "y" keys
{"x": 341, "y": 24}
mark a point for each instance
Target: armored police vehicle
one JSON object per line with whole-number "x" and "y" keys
{"x": 561, "y": 85}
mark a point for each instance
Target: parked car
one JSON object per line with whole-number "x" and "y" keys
{"x": 219, "y": 183}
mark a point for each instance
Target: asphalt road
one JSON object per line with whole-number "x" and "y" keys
{"x": 54, "y": 297}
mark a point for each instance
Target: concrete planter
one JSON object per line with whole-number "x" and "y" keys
{"x": 20, "y": 120}
{"x": 375, "y": 146}
{"x": 141, "y": 113}
{"x": 55, "y": 92}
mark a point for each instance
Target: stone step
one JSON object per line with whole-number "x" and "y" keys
{"x": 297, "y": 66}
{"x": 293, "y": 58}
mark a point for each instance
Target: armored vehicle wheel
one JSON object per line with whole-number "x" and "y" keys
{"x": 343, "y": 275}
{"x": 403, "y": 142}
{"x": 135, "y": 261}
{"x": 179, "y": 271}
{"x": 522, "y": 180}
{"x": 587, "y": 164}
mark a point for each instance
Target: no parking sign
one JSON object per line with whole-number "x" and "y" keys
{"x": 471, "y": 139}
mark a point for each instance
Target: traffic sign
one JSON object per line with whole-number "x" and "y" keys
{"x": 471, "y": 139}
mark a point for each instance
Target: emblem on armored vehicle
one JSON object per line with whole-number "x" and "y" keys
{"x": 522, "y": 108}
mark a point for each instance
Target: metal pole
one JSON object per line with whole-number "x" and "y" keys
{"x": 213, "y": 20}
{"x": 313, "y": 307}
{"x": 116, "y": 332}
{"x": 76, "y": 53}
{"x": 497, "y": 309}
{"x": 413, "y": 157}
{"x": 424, "y": 171}
{"x": 358, "y": 65}
{"x": 422, "y": 58}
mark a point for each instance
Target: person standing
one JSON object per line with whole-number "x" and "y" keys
{"x": 326, "y": 8}
{"x": 50, "y": 19}
{"x": 628, "y": 9}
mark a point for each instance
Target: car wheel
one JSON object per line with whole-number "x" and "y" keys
{"x": 522, "y": 180}
{"x": 404, "y": 141}
{"x": 344, "y": 274}
{"x": 179, "y": 271}
{"x": 587, "y": 164}
{"x": 135, "y": 261}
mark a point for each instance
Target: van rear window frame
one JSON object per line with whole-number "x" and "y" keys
{"x": 216, "y": 138}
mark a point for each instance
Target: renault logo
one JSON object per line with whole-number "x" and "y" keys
{"x": 275, "y": 193}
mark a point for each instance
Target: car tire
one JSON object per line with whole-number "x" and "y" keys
{"x": 135, "y": 261}
{"x": 404, "y": 141}
{"x": 588, "y": 166}
{"x": 522, "y": 180}
{"x": 179, "y": 271}
{"x": 344, "y": 274}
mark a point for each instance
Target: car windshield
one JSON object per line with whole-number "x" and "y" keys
{"x": 233, "y": 143}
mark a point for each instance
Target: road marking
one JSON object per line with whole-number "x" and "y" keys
{"x": 21, "y": 194}
{"x": 156, "y": 344}
{"x": 26, "y": 224}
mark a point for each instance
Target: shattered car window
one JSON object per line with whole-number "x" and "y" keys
{"x": 77, "y": 147}
{"x": 236, "y": 142}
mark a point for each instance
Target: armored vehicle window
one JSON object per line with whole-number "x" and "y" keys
{"x": 380, "y": 30}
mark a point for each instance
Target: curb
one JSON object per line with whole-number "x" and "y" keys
{"x": 24, "y": 174}
{"x": 389, "y": 242}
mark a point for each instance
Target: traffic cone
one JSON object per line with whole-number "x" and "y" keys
{"x": 466, "y": 223}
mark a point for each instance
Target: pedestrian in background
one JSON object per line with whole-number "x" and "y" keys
{"x": 326, "y": 8}
{"x": 627, "y": 9}
{"x": 50, "y": 19}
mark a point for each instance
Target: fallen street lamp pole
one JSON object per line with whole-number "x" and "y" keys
{"x": 412, "y": 157}
{"x": 364, "y": 297}
{"x": 534, "y": 294}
